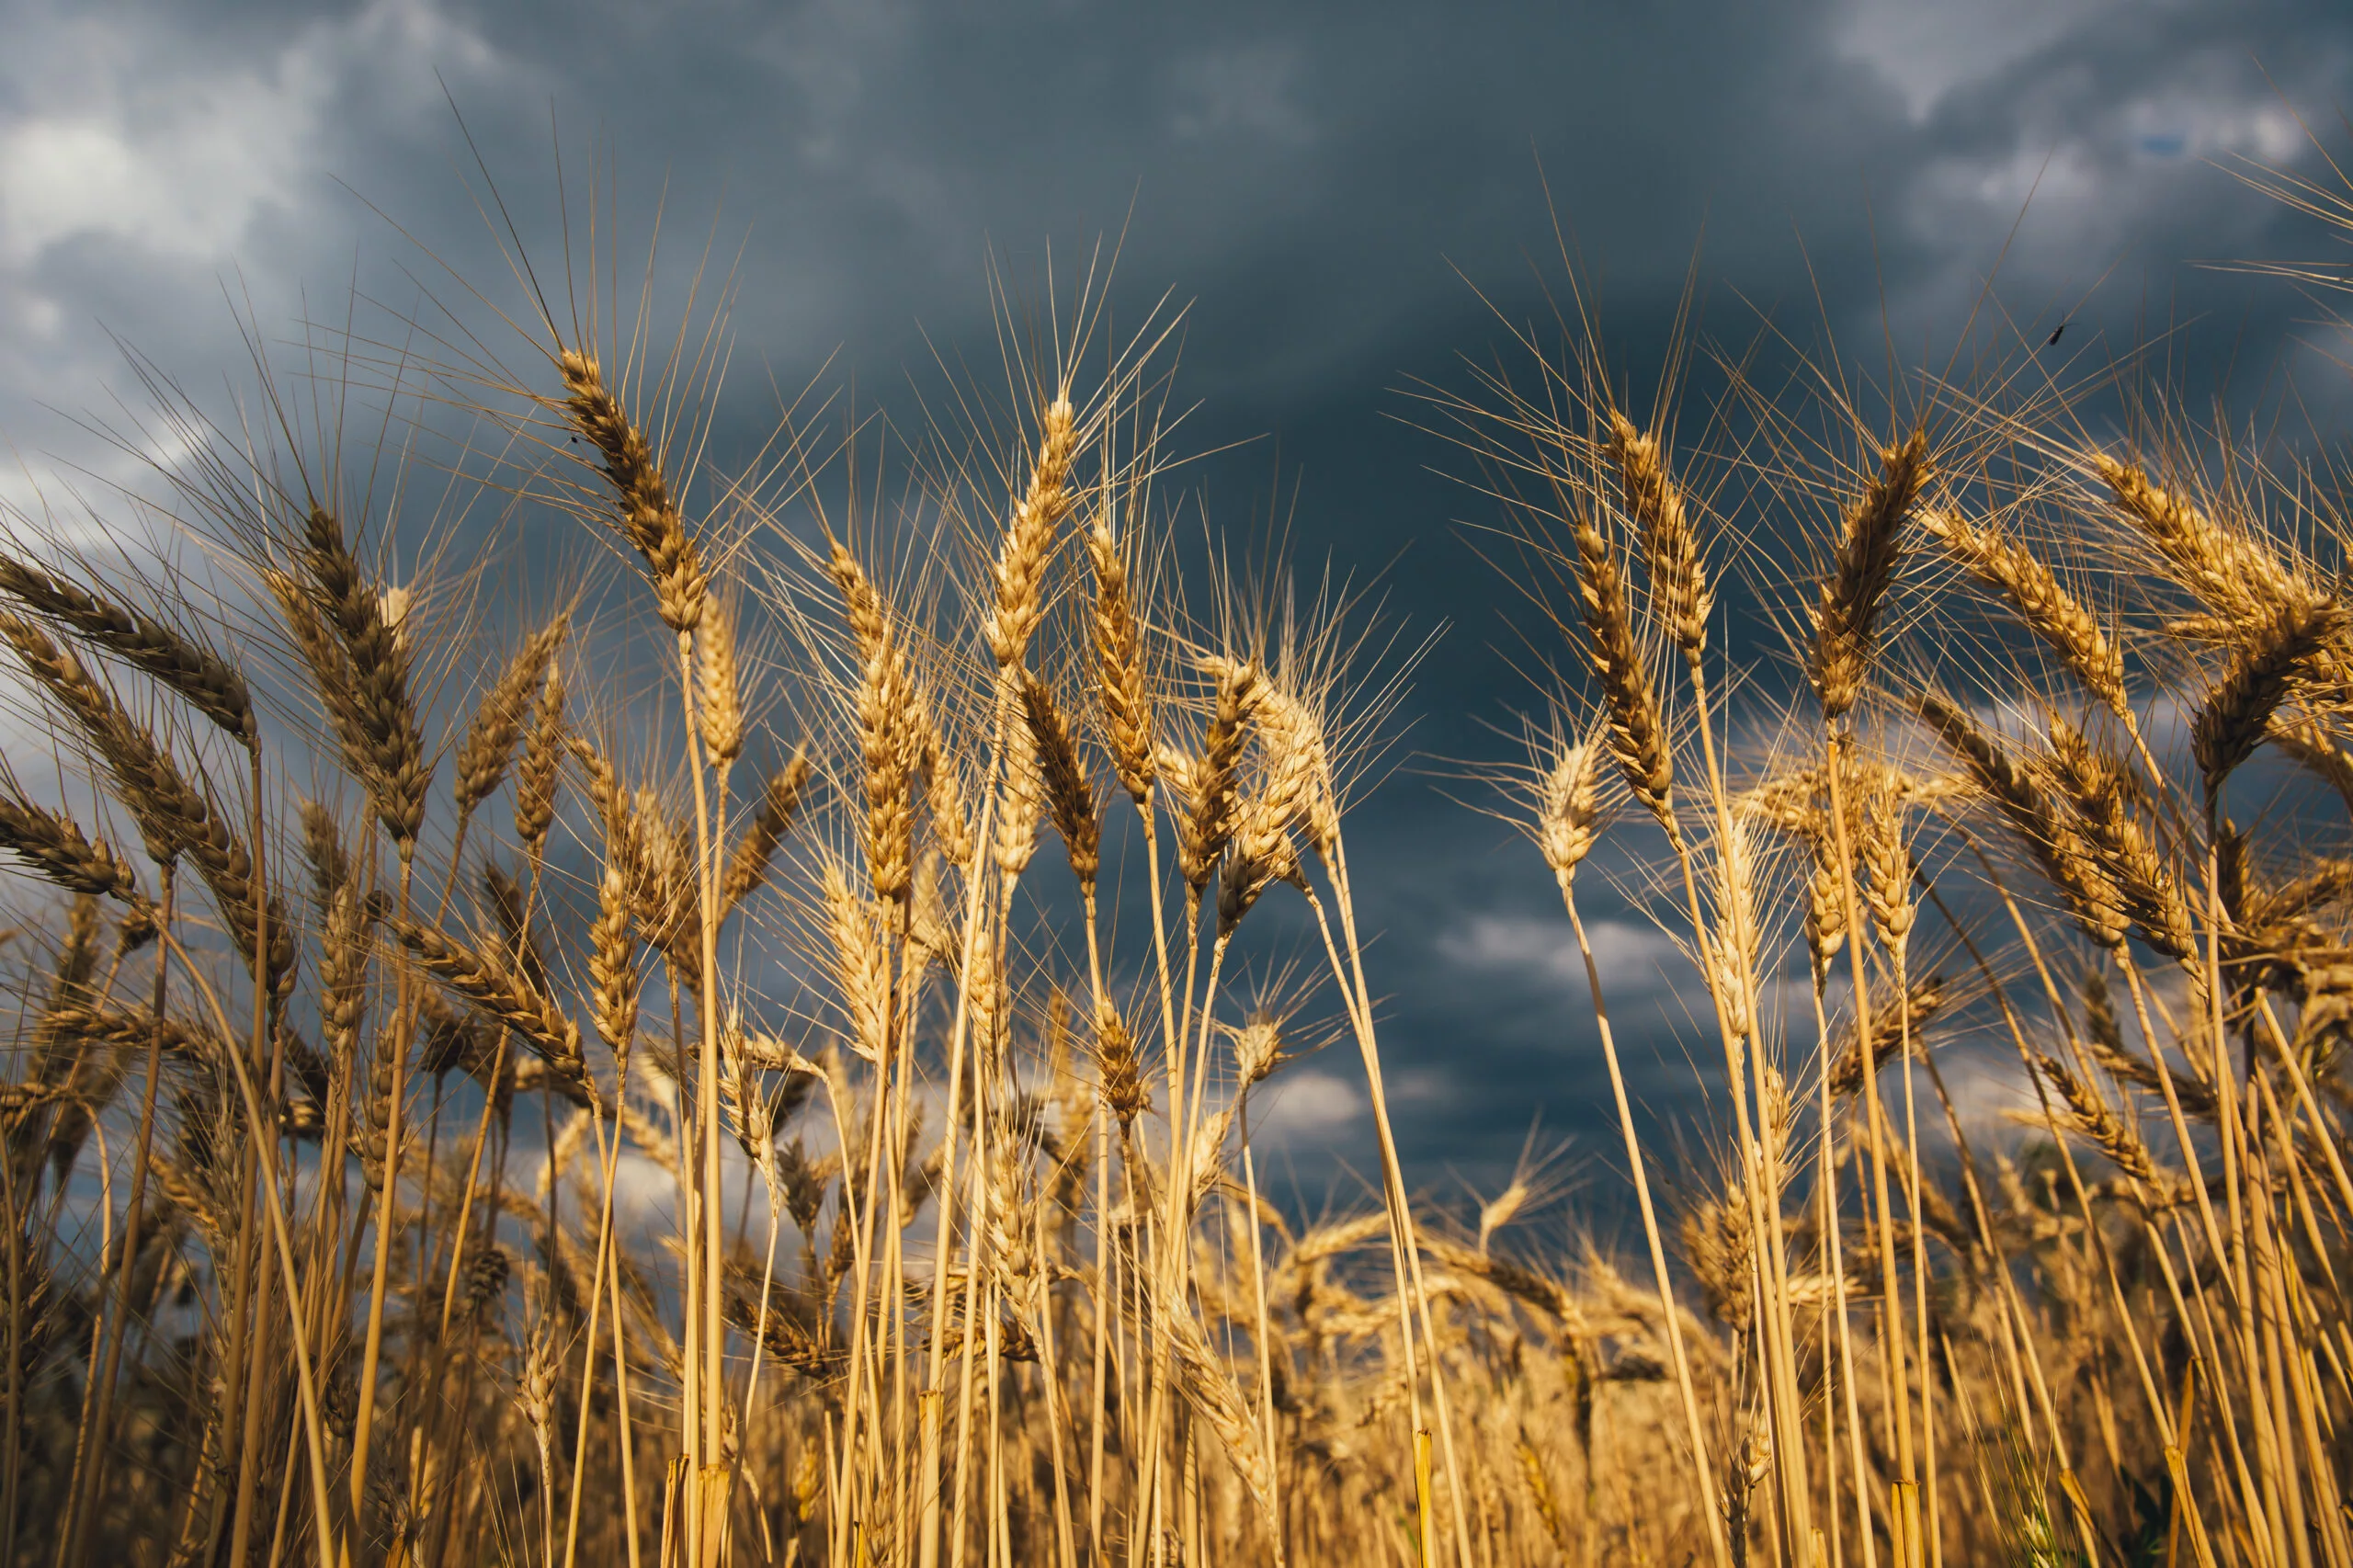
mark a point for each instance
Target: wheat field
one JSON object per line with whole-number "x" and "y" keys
{"x": 742, "y": 1049}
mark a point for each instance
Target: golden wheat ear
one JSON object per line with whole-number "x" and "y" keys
{"x": 1863, "y": 562}
{"x": 206, "y": 680}
{"x": 2279, "y": 656}
{"x": 645, "y": 513}
{"x": 1682, "y": 595}
{"x": 1636, "y": 732}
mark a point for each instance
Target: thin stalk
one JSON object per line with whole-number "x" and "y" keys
{"x": 1899, "y": 1399}
{"x": 1835, "y": 1266}
{"x": 120, "y": 1322}
{"x": 306, "y": 1382}
{"x": 1695, "y": 1427}
{"x": 363, "y": 1423}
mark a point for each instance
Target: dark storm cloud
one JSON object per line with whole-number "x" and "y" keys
{"x": 1309, "y": 177}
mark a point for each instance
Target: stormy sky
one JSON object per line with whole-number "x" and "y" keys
{"x": 1348, "y": 196}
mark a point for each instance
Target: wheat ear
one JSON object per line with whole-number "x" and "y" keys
{"x": 382, "y": 718}
{"x": 1030, "y": 536}
{"x": 647, "y": 515}
{"x": 1637, "y": 730}
{"x": 2280, "y": 656}
{"x": 54, "y": 846}
{"x": 2052, "y": 613}
{"x": 1120, "y": 685}
{"x": 1681, "y": 594}
{"x": 498, "y": 724}
{"x": 747, "y": 869}
{"x": 209, "y": 683}
{"x": 1070, "y": 793}
{"x": 1863, "y": 562}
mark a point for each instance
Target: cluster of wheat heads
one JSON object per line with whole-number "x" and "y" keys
{"x": 752, "y": 1063}
{"x": 2016, "y": 799}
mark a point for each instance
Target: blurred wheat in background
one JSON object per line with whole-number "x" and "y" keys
{"x": 747, "y": 1052}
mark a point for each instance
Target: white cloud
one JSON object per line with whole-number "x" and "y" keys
{"x": 145, "y": 160}
{"x": 1632, "y": 956}
{"x": 1926, "y": 51}
{"x": 150, "y": 144}
{"x": 1305, "y": 1104}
